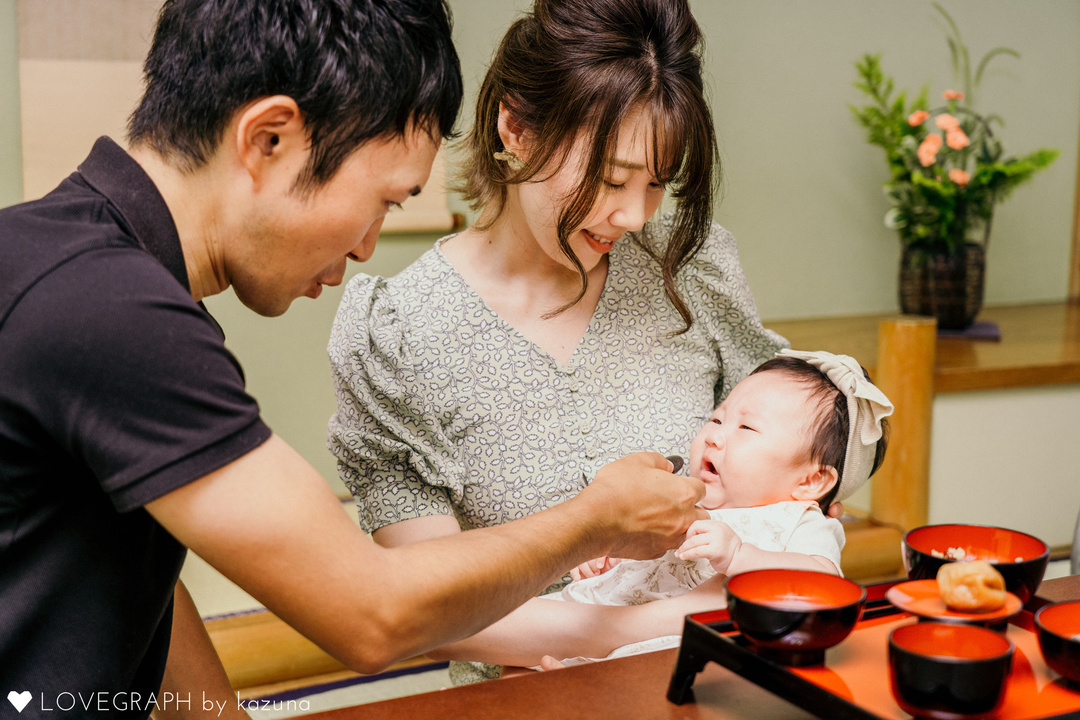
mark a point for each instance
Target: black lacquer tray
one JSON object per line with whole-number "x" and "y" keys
{"x": 853, "y": 683}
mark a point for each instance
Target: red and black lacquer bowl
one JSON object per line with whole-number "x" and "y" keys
{"x": 1020, "y": 558}
{"x": 944, "y": 671}
{"x": 1058, "y": 630}
{"x": 793, "y": 616}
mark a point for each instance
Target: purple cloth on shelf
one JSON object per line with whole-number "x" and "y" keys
{"x": 978, "y": 331}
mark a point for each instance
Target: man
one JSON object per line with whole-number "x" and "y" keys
{"x": 272, "y": 138}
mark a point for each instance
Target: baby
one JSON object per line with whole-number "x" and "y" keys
{"x": 803, "y": 430}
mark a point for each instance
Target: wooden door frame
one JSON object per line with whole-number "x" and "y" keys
{"x": 1074, "y": 259}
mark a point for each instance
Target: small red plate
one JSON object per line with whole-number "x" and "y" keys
{"x": 923, "y": 598}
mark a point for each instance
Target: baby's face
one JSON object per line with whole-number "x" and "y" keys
{"x": 755, "y": 448}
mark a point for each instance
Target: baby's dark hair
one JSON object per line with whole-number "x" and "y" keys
{"x": 829, "y": 431}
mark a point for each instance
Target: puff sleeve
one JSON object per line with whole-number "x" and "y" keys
{"x": 719, "y": 297}
{"x": 392, "y": 452}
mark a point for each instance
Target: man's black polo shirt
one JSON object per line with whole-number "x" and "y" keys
{"x": 115, "y": 388}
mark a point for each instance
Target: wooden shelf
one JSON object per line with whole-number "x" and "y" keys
{"x": 872, "y": 551}
{"x": 1040, "y": 345}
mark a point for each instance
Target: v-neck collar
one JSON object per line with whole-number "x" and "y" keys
{"x": 614, "y": 260}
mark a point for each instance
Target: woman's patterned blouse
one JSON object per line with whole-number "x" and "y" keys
{"x": 444, "y": 408}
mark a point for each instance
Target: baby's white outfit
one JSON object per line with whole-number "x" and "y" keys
{"x": 790, "y": 526}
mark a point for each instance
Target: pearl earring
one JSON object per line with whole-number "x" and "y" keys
{"x": 516, "y": 164}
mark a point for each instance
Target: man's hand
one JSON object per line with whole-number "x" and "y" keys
{"x": 713, "y": 540}
{"x": 645, "y": 508}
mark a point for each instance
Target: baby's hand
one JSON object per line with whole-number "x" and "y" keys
{"x": 599, "y": 566}
{"x": 713, "y": 540}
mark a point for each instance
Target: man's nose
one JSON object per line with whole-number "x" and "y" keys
{"x": 363, "y": 249}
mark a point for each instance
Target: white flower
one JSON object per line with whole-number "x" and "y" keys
{"x": 893, "y": 219}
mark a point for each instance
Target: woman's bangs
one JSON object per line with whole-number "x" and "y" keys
{"x": 672, "y": 141}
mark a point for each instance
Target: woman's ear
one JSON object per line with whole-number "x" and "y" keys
{"x": 511, "y": 132}
{"x": 816, "y": 483}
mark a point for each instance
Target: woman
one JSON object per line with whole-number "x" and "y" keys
{"x": 565, "y": 329}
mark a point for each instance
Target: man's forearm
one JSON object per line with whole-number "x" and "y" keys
{"x": 370, "y": 606}
{"x": 441, "y": 590}
{"x": 506, "y": 566}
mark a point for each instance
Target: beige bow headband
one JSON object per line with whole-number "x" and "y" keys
{"x": 867, "y": 406}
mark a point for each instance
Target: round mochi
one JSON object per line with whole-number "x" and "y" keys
{"x": 973, "y": 587}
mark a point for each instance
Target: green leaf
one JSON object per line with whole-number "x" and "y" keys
{"x": 990, "y": 56}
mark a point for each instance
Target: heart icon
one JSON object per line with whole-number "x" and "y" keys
{"x": 19, "y": 699}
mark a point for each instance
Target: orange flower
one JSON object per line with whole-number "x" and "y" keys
{"x": 947, "y": 122}
{"x": 928, "y": 150}
{"x": 954, "y": 95}
{"x": 958, "y": 176}
{"x": 956, "y": 139}
{"x": 917, "y": 118}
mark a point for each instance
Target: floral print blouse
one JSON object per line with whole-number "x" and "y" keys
{"x": 444, "y": 408}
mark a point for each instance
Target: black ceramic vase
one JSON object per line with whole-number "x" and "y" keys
{"x": 948, "y": 287}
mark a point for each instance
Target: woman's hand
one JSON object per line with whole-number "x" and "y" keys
{"x": 549, "y": 663}
{"x": 592, "y": 568}
{"x": 836, "y": 510}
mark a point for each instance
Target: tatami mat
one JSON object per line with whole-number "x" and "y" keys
{"x": 409, "y": 681}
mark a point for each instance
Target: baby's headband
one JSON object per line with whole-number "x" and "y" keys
{"x": 867, "y": 407}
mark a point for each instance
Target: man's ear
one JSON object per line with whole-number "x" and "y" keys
{"x": 511, "y": 132}
{"x": 270, "y": 135}
{"x": 816, "y": 483}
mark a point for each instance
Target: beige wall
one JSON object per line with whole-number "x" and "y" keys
{"x": 1008, "y": 458}
{"x": 10, "y": 130}
{"x": 802, "y": 190}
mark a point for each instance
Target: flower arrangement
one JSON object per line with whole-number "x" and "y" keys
{"x": 948, "y": 168}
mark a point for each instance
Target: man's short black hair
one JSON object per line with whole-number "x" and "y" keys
{"x": 358, "y": 70}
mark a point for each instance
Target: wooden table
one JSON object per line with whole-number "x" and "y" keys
{"x": 632, "y": 688}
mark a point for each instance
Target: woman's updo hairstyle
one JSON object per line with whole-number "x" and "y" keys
{"x": 582, "y": 66}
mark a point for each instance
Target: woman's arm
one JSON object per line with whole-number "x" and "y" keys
{"x": 415, "y": 530}
{"x": 568, "y": 629}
